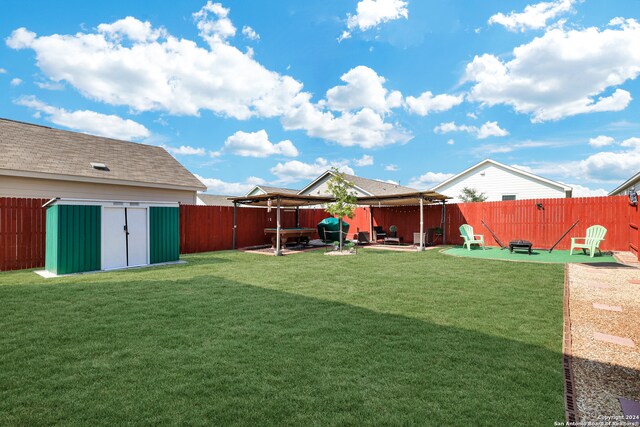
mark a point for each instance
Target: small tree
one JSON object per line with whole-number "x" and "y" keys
{"x": 472, "y": 195}
{"x": 345, "y": 204}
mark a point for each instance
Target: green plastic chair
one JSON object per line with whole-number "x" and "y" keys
{"x": 595, "y": 235}
{"x": 466, "y": 232}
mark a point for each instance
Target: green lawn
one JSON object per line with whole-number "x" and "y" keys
{"x": 231, "y": 338}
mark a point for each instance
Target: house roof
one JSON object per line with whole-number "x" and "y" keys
{"x": 628, "y": 183}
{"x": 268, "y": 189}
{"x": 370, "y": 187}
{"x": 215, "y": 200}
{"x": 43, "y": 152}
{"x": 529, "y": 175}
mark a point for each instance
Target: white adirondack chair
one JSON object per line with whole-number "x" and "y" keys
{"x": 466, "y": 232}
{"x": 595, "y": 235}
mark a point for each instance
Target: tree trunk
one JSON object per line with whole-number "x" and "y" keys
{"x": 340, "y": 223}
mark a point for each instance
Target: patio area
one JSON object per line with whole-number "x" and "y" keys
{"x": 537, "y": 255}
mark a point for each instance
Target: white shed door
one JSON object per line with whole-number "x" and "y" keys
{"x": 114, "y": 238}
{"x": 137, "y": 226}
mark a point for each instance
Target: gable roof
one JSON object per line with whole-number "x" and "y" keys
{"x": 628, "y": 183}
{"x": 517, "y": 171}
{"x": 215, "y": 199}
{"x": 268, "y": 189}
{"x": 370, "y": 187}
{"x": 42, "y": 152}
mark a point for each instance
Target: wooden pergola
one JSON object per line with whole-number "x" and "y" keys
{"x": 281, "y": 200}
{"x": 419, "y": 198}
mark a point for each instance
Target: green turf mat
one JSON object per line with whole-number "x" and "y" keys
{"x": 537, "y": 255}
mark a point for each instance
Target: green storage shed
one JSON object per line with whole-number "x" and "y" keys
{"x": 90, "y": 235}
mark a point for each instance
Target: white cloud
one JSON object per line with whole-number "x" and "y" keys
{"x": 16, "y": 82}
{"x": 3, "y": 71}
{"x": 364, "y": 89}
{"x": 534, "y": 16}
{"x": 427, "y": 103}
{"x": 365, "y": 128}
{"x": 485, "y": 131}
{"x": 429, "y": 180}
{"x": 391, "y": 168}
{"x": 250, "y": 33}
{"x": 91, "y": 122}
{"x": 631, "y": 143}
{"x": 612, "y": 166}
{"x": 257, "y": 144}
{"x": 365, "y": 160}
{"x": 472, "y": 116}
{"x": 601, "y": 141}
{"x": 562, "y": 73}
{"x": 50, "y": 85}
{"x": 132, "y": 29}
{"x": 218, "y": 186}
{"x": 451, "y": 142}
{"x": 295, "y": 170}
{"x": 163, "y": 73}
{"x": 582, "y": 191}
{"x": 185, "y": 150}
{"x": 131, "y": 63}
{"x": 371, "y": 13}
{"x": 214, "y": 23}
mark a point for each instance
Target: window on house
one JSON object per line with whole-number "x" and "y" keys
{"x": 508, "y": 197}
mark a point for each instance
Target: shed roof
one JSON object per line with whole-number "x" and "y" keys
{"x": 39, "y": 151}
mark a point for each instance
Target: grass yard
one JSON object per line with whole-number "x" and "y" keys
{"x": 242, "y": 339}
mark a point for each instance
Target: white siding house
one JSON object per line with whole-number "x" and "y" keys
{"x": 632, "y": 183}
{"x": 502, "y": 182}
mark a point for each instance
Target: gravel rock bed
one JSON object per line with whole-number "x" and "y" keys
{"x": 604, "y": 371}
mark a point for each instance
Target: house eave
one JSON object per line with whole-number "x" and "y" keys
{"x": 93, "y": 180}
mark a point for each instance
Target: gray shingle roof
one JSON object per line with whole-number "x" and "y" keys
{"x": 378, "y": 188}
{"x": 280, "y": 190}
{"x": 32, "y": 148}
{"x": 215, "y": 200}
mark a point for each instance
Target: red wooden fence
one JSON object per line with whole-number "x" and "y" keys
{"x": 22, "y": 225}
{"x": 521, "y": 219}
{"x": 210, "y": 228}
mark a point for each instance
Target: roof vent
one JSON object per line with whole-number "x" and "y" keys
{"x": 99, "y": 166}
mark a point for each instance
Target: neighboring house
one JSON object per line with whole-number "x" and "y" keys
{"x": 39, "y": 161}
{"x": 362, "y": 186}
{"x": 631, "y": 183}
{"x": 501, "y": 182}
{"x": 213, "y": 200}
{"x": 264, "y": 189}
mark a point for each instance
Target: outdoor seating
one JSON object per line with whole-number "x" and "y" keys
{"x": 393, "y": 236}
{"x": 595, "y": 235}
{"x": 466, "y": 232}
{"x": 378, "y": 233}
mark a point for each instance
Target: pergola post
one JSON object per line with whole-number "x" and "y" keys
{"x": 444, "y": 222}
{"x": 370, "y": 223}
{"x": 278, "y": 252}
{"x": 421, "y": 247}
{"x": 233, "y": 241}
{"x": 298, "y": 216}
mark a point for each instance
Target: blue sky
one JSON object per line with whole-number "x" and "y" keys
{"x": 275, "y": 92}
